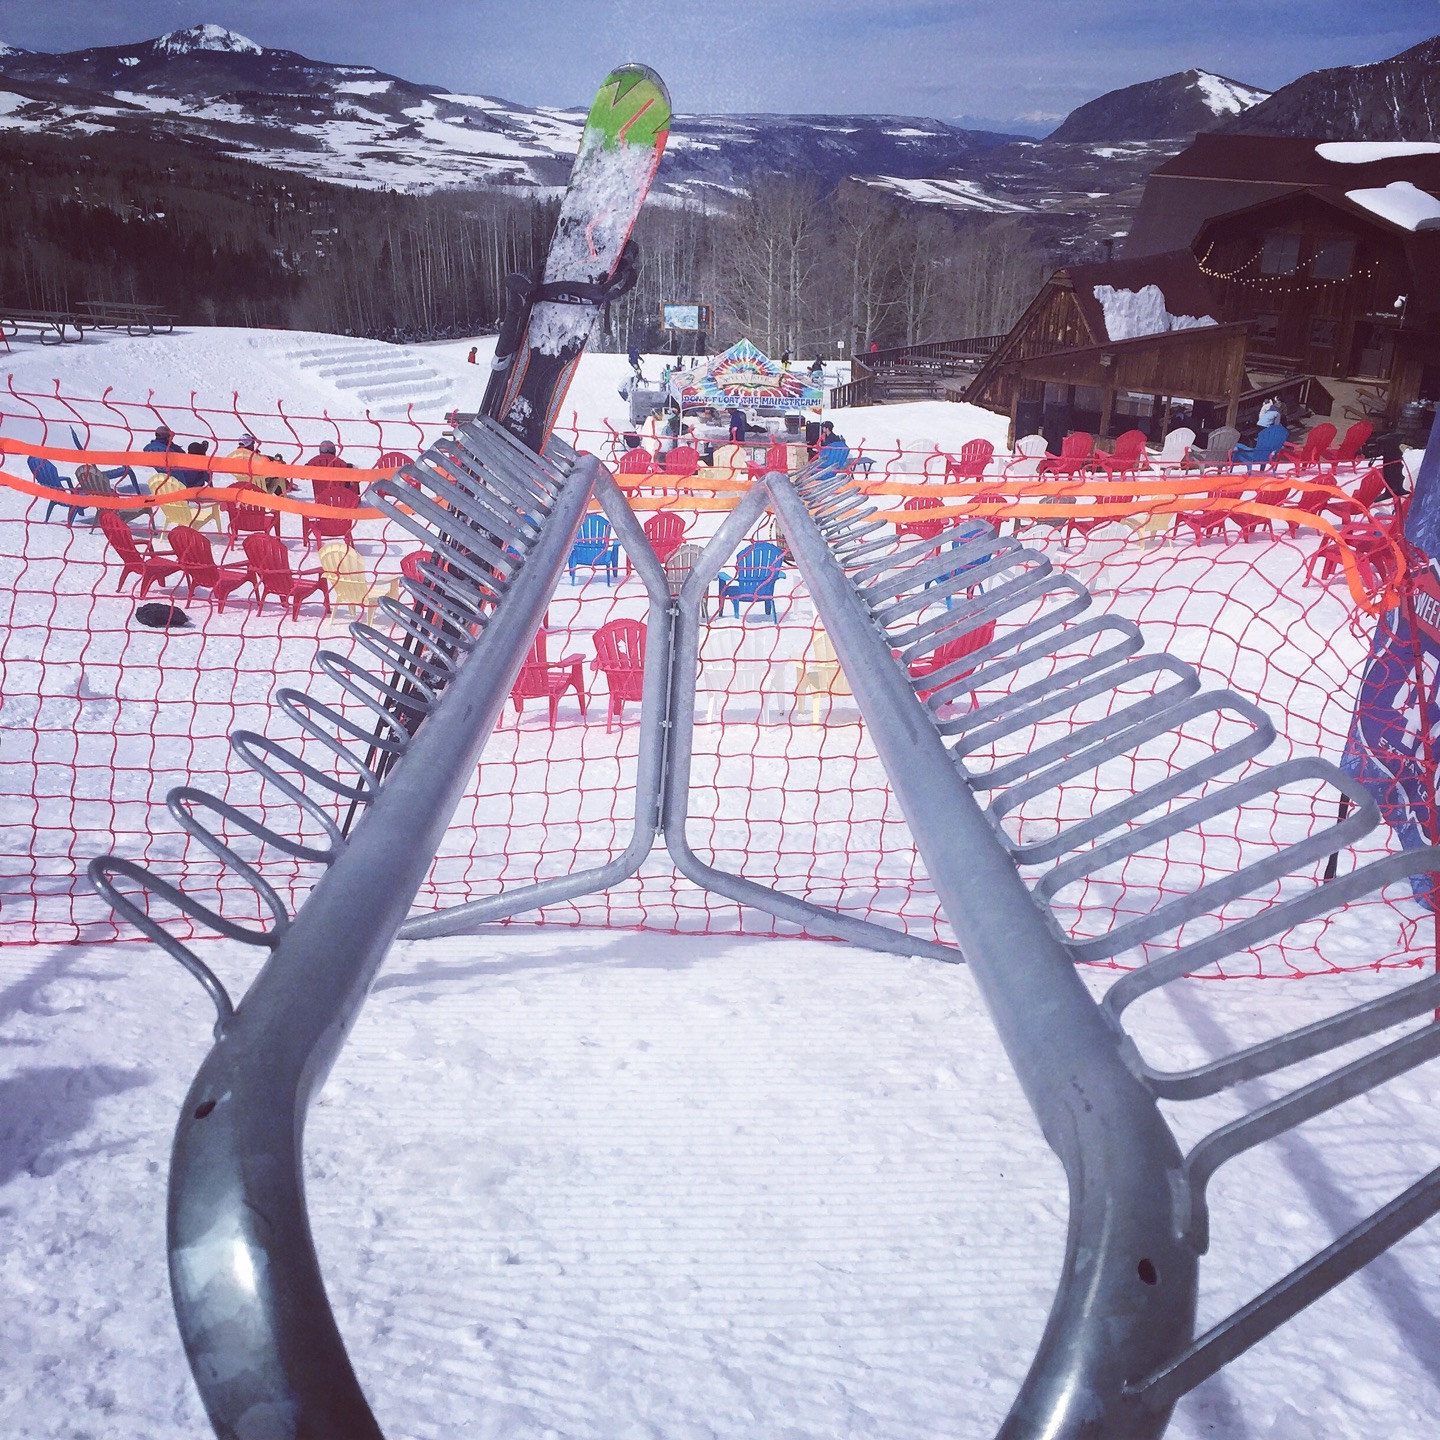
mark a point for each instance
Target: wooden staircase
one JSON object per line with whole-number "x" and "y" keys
{"x": 937, "y": 370}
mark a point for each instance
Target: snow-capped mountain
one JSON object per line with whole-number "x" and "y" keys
{"x": 206, "y": 37}
{"x": 1173, "y": 106}
{"x": 1083, "y": 181}
{"x": 1394, "y": 99}
{"x": 360, "y": 126}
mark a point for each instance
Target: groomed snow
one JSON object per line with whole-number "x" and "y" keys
{"x": 600, "y": 1184}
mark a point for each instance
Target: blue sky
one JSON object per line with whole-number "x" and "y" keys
{"x": 1005, "y": 60}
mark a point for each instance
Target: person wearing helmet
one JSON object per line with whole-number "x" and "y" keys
{"x": 327, "y": 455}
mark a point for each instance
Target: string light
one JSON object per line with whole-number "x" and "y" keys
{"x": 1284, "y": 283}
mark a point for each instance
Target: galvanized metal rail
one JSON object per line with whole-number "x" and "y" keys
{"x": 1119, "y": 1349}
{"x": 257, "y": 1326}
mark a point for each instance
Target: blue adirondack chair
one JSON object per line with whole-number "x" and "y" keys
{"x": 596, "y": 548}
{"x": 47, "y": 475}
{"x": 1263, "y": 452}
{"x": 757, "y": 568}
{"x": 970, "y": 531}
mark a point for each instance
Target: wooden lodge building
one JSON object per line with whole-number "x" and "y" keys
{"x": 1256, "y": 264}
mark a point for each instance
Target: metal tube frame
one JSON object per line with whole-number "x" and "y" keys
{"x": 1116, "y": 1353}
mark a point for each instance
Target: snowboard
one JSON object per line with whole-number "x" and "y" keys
{"x": 548, "y": 322}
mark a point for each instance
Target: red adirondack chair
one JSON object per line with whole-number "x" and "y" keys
{"x": 1252, "y": 525}
{"x": 972, "y": 462}
{"x": 197, "y": 564}
{"x": 777, "y": 457}
{"x": 1086, "y": 523}
{"x": 150, "y": 567}
{"x": 1074, "y": 458}
{"x": 1207, "y": 520}
{"x": 269, "y": 564}
{"x": 683, "y": 460}
{"x": 635, "y": 462}
{"x": 620, "y": 655}
{"x": 544, "y": 679}
{"x": 242, "y": 518}
{"x": 1371, "y": 546}
{"x": 392, "y": 460}
{"x": 666, "y": 532}
{"x": 921, "y": 529}
{"x": 1127, "y": 456}
{"x": 343, "y": 495}
{"x": 1310, "y": 454}
{"x": 947, "y": 654}
{"x": 1347, "y": 452}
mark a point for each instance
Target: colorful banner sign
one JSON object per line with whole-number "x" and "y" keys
{"x": 743, "y": 378}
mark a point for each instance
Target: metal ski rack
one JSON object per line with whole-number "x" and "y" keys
{"x": 1119, "y": 1349}
{"x": 257, "y": 1327}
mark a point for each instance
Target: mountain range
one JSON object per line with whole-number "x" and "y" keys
{"x": 218, "y": 92}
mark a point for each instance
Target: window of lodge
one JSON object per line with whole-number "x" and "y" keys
{"x": 1333, "y": 258}
{"x": 1281, "y": 255}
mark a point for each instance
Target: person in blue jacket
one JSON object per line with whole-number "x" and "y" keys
{"x": 834, "y": 453}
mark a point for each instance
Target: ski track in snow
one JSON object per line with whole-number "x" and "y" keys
{"x": 608, "y": 1184}
{"x": 601, "y": 1185}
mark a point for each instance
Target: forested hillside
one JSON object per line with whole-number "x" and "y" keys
{"x": 220, "y": 241}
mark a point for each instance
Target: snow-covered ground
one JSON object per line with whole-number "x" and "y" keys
{"x": 605, "y": 1184}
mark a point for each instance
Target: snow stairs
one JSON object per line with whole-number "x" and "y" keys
{"x": 385, "y": 379}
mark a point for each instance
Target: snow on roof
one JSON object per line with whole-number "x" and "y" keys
{"x": 1363, "y": 152}
{"x": 1226, "y": 97}
{"x": 1131, "y": 313}
{"x": 207, "y": 37}
{"x": 1401, "y": 203}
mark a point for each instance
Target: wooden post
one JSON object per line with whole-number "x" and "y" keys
{"x": 1107, "y": 409}
{"x": 1237, "y": 378}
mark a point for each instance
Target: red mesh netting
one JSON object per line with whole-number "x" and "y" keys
{"x": 102, "y": 716}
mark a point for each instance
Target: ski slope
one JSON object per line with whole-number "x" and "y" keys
{"x": 579, "y": 1183}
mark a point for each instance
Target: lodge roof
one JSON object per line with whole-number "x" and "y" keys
{"x": 1291, "y": 160}
{"x": 1223, "y": 174}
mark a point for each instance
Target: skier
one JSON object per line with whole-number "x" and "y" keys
{"x": 471, "y": 356}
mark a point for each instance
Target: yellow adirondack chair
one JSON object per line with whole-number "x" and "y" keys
{"x": 819, "y": 674}
{"x": 350, "y": 582}
{"x": 195, "y": 513}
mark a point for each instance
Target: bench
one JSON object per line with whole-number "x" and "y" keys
{"x": 52, "y": 325}
{"x": 133, "y": 319}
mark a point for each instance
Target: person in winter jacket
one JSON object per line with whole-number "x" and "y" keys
{"x": 327, "y": 455}
{"x": 162, "y": 444}
{"x": 834, "y": 453}
{"x": 194, "y": 479}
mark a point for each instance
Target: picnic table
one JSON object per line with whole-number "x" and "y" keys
{"x": 133, "y": 319}
{"x": 52, "y": 325}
